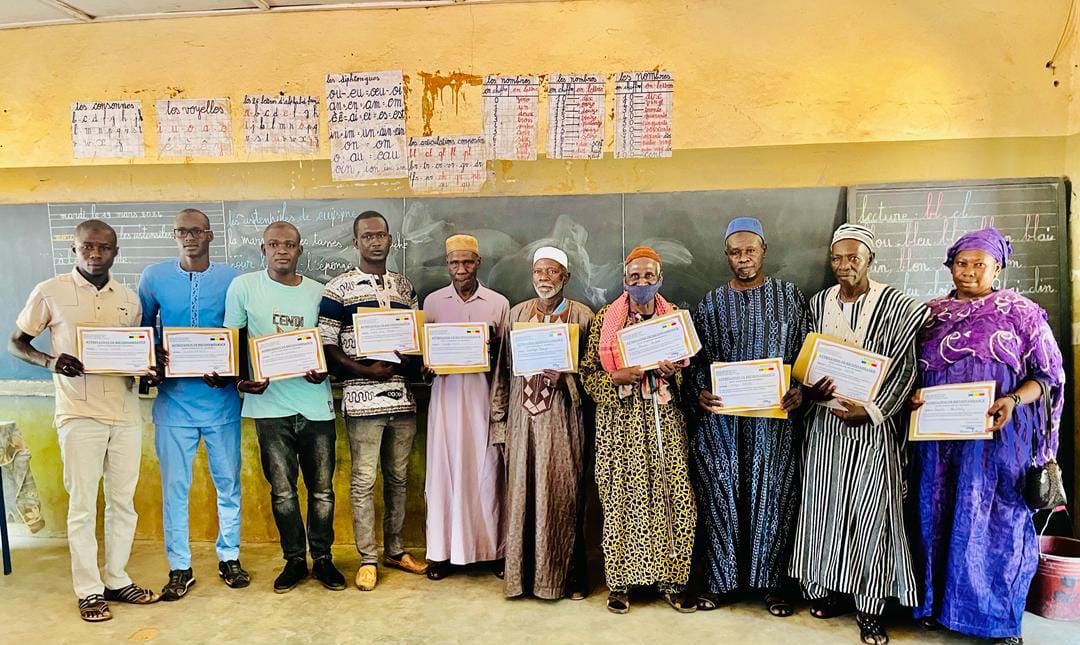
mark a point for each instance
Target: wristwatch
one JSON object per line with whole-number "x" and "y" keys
{"x": 1016, "y": 399}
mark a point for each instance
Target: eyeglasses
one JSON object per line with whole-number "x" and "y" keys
{"x": 181, "y": 233}
{"x": 374, "y": 237}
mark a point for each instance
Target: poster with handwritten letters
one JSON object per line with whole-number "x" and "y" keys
{"x": 643, "y": 103}
{"x": 282, "y": 124}
{"x": 448, "y": 164}
{"x": 366, "y": 117}
{"x": 194, "y": 128}
{"x": 575, "y": 116}
{"x": 107, "y": 129}
{"x": 510, "y": 116}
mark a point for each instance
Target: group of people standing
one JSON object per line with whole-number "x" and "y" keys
{"x": 697, "y": 504}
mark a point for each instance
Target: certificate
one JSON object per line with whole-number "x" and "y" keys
{"x": 544, "y": 347}
{"x": 460, "y": 348}
{"x": 385, "y": 331}
{"x": 115, "y": 350}
{"x": 857, "y": 373}
{"x": 749, "y": 385}
{"x": 953, "y": 412}
{"x": 287, "y": 355}
{"x": 194, "y": 351}
{"x": 670, "y": 337}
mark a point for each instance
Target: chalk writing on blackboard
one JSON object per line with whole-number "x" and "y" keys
{"x": 448, "y": 164}
{"x": 107, "y": 129}
{"x": 510, "y": 116}
{"x": 575, "y": 116}
{"x": 144, "y": 233}
{"x": 643, "y": 109}
{"x": 283, "y": 124}
{"x": 194, "y": 128}
{"x": 366, "y": 117}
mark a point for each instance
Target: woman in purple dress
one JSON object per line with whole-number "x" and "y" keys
{"x": 976, "y": 544}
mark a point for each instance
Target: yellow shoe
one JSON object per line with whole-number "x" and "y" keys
{"x": 366, "y": 577}
{"x": 406, "y": 562}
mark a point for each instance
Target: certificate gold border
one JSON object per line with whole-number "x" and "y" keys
{"x": 777, "y": 363}
{"x": 884, "y": 360}
{"x": 151, "y": 357}
{"x": 441, "y": 368}
{"x": 690, "y": 338}
{"x": 569, "y": 349}
{"x": 989, "y": 387}
{"x": 253, "y": 345}
{"x": 234, "y": 338}
{"x": 417, "y": 322}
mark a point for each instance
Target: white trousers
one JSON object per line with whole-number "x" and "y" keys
{"x": 90, "y": 450}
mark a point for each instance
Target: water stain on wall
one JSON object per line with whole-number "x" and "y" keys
{"x": 435, "y": 84}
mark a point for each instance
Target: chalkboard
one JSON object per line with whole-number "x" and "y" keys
{"x": 916, "y": 223}
{"x": 595, "y": 230}
{"x": 688, "y": 230}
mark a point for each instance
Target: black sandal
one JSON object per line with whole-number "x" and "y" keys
{"x": 618, "y": 603}
{"x": 132, "y": 594}
{"x": 438, "y": 570}
{"x": 871, "y": 629}
{"x": 94, "y": 609}
{"x": 1012, "y": 640}
{"x": 708, "y": 601}
{"x": 778, "y": 604}
{"x": 680, "y": 602}
{"x": 830, "y": 606}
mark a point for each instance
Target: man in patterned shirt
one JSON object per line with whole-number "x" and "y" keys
{"x": 380, "y": 412}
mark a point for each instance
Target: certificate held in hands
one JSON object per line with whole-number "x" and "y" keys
{"x": 670, "y": 337}
{"x": 749, "y": 385}
{"x": 953, "y": 412}
{"x": 287, "y": 355}
{"x": 456, "y": 348}
{"x": 195, "y": 351}
{"x": 115, "y": 350}
{"x": 385, "y": 331}
{"x": 857, "y": 373}
{"x": 542, "y": 347}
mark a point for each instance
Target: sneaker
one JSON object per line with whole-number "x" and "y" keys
{"x": 323, "y": 570}
{"x": 233, "y": 574}
{"x": 180, "y": 580}
{"x": 294, "y": 572}
{"x": 367, "y": 576}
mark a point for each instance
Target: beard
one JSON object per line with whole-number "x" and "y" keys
{"x": 544, "y": 292}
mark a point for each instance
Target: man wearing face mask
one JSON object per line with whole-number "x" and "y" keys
{"x": 464, "y": 484}
{"x": 850, "y": 538}
{"x": 745, "y": 467}
{"x": 540, "y": 420}
{"x": 648, "y": 530}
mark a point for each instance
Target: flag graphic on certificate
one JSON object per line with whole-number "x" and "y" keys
{"x": 195, "y": 351}
{"x": 287, "y": 355}
{"x": 115, "y": 350}
{"x": 953, "y": 412}
{"x": 456, "y": 348}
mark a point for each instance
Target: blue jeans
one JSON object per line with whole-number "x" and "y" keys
{"x": 292, "y": 445}
{"x": 176, "y": 446}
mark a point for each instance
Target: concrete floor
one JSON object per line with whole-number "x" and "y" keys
{"x": 38, "y": 608}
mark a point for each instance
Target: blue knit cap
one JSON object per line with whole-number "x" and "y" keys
{"x": 745, "y": 225}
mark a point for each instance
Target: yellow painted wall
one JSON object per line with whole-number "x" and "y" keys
{"x": 770, "y": 93}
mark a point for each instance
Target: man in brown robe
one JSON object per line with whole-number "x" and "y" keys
{"x": 539, "y": 418}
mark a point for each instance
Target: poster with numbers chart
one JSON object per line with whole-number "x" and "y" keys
{"x": 575, "y": 116}
{"x": 643, "y": 110}
{"x": 510, "y": 116}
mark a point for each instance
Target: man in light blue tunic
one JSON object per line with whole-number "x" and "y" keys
{"x": 190, "y": 292}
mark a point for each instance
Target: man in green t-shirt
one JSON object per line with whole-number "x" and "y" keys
{"x": 294, "y": 418}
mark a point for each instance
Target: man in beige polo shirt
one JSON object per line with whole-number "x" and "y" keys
{"x": 97, "y": 417}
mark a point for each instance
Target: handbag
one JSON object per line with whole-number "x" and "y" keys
{"x": 1043, "y": 486}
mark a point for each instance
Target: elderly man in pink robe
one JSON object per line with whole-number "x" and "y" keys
{"x": 465, "y": 474}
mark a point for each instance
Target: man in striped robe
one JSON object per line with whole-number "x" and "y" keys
{"x": 850, "y": 536}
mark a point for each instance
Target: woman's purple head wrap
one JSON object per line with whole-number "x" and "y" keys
{"x": 989, "y": 240}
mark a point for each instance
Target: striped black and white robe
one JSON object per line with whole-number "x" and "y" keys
{"x": 850, "y": 535}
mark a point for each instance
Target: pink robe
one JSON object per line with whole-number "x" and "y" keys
{"x": 465, "y": 475}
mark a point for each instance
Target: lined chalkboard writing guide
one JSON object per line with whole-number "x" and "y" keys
{"x": 916, "y": 223}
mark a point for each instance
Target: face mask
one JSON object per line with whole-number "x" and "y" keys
{"x": 643, "y": 294}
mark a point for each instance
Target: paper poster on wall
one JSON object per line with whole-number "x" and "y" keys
{"x": 366, "y": 117}
{"x": 448, "y": 164}
{"x": 643, "y": 103}
{"x": 282, "y": 123}
{"x": 194, "y": 128}
{"x": 575, "y": 116}
{"x": 510, "y": 116}
{"x": 107, "y": 129}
